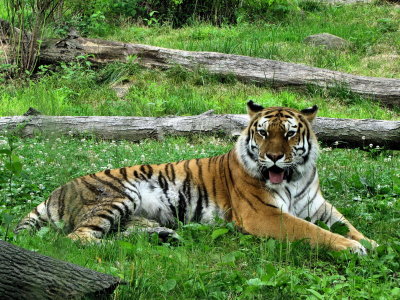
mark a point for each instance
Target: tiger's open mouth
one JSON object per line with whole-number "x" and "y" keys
{"x": 275, "y": 174}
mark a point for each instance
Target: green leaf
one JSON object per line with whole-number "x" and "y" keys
{"x": 255, "y": 282}
{"x": 15, "y": 167}
{"x": 321, "y": 224}
{"x": 7, "y": 219}
{"x": 395, "y": 292}
{"x": 229, "y": 258}
{"x": 218, "y": 232}
{"x": 169, "y": 285}
{"x": 43, "y": 231}
{"x": 126, "y": 245}
{"x": 340, "y": 228}
{"x": 315, "y": 293}
{"x": 270, "y": 271}
{"x": 5, "y": 151}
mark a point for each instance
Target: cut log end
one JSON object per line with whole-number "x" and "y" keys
{"x": 29, "y": 275}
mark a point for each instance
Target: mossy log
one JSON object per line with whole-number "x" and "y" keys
{"x": 342, "y": 132}
{"x": 28, "y": 275}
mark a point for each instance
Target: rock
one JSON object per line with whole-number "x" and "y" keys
{"x": 122, "y": 89}
{"x": 346, "y": 1}
{"x": 32, "y": 112}
{"x": 328, "y": 40}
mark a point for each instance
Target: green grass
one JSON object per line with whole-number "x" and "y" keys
{"x": 74, "y": 90}
{"x": 364, "y": 185}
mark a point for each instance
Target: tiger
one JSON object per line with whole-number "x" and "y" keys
{"x": 267, "y": 185}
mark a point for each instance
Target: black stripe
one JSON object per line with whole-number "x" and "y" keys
{"x": 181, "y": 207}
{"x": 91, "y": 187}
{"x": 149, "y": 171}
{"x": 309, "y": 182}
{"x": 170, "y": 172}
{"x": 120, "y": 210}
{"x": 113, "y": 187}
{"x": 163, "y": 183}
{"x": 202, "y": 185}
{"x": 262, "y": 202}
{"x": 107, "y": 217}
{"x": 122, "y": 171}
{"x": 94, "y": 228}
{"x": 108, "y": 173}
{"x": 61, "y": 202}
{"x": 309, "y": 201}
{"x": 214, "y": 188}
{"x": 233, "y": 182}
{"x": 48, "y": 209}
{"x": 199, "y": 207}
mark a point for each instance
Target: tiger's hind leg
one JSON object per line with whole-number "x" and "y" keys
{"x": 101, "y": 219}
{"x": 141, "y": 224}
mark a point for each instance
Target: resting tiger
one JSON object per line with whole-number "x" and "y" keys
{"x": 267, "y": 185}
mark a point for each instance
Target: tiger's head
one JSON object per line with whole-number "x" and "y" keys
{"x": 279, "y": 144}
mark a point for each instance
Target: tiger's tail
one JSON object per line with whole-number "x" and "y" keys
{"x": 35, "y": 219}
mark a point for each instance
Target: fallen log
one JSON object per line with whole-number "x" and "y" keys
{"x": 28, "y": 275}
{"x": 345, "y": 132}
{"x": 248, "y": 69}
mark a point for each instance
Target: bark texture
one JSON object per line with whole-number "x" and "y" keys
{"x": 249, "y": 69}
{"x": 28, "y": 275}
{"x": 347, "y": 132}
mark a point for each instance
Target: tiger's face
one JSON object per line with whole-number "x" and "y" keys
{"x": 278, "y": 142}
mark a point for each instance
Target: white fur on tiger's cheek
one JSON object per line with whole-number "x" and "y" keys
{"x": 250, "y": 164}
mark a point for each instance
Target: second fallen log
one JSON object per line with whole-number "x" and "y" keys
{"x": 249, "y": 69}
{"x": 345, "y": 132}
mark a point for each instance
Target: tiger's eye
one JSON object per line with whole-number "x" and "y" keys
{"x": 262, "y": 132}
{"x": 290, "y": 133}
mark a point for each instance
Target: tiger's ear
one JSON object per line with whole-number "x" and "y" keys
{"x": 310, "y": 113}
{"x": 253, "y": 108}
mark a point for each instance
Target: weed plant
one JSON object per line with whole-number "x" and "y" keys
{"x": 218, "y": 262}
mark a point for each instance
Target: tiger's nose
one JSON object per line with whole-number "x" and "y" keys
{"x": 274, "y": 157}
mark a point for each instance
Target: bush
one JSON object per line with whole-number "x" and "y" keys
{"x": 89, "y": 18}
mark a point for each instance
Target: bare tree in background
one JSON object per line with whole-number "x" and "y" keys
{"x": 25, "y": 16}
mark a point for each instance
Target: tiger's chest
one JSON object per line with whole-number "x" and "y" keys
{"x": 298, "y": 199}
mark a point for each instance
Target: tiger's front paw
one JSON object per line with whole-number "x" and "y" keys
{"x": 352, "y": 245}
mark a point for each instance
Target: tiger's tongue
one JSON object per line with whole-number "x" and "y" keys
{"x": 276, "y": 177}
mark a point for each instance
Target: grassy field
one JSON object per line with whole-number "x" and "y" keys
{"x": 76, "y": 89}
{"x": 364, "y": 185}
{"x": 373, "y": 31}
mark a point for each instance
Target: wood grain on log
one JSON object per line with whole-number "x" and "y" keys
{"x": 28, "y": 275}
{"x": 347, "y": 132}
{"x": 249, "y": 69}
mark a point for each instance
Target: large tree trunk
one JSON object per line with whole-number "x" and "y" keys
{"x": 250, "y": 69}
{"x": 345, "y": 132}
{"x": 28, "y": 275}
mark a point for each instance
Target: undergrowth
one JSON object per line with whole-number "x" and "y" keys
{"x": 77, "y": 89}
